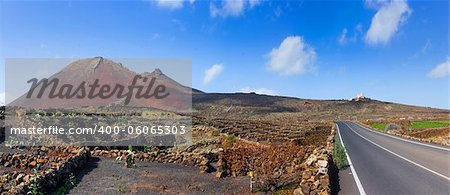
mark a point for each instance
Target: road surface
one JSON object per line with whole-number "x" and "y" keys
{"x": 384, "y": 164}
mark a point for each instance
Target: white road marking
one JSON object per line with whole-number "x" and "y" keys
{"x": 403, "y": 139}
{"x": 355, "y": 176}
{"x": 410, "y": 161}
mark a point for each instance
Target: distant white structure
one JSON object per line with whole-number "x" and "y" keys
{"x": 360, "y": 97}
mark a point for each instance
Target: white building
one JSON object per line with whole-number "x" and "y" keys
{"x": 360, "y": 97}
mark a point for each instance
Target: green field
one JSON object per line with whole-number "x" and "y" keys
{"x": 429, "y": 124}
{"x": 416, "y": 125}
{"x": 379, "y": 126}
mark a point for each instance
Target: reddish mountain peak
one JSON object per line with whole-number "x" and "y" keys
{"x": 106, "y": 72}
{"x": 90, "y": 65}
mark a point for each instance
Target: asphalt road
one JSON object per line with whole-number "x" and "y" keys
{"x": 384, "y": 164}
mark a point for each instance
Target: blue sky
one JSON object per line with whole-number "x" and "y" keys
{"x": 389, "y": 50}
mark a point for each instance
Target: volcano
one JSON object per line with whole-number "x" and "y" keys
{"x": 111, "y": 77}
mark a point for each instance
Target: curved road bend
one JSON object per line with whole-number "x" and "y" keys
{"x": 390, "y": 165}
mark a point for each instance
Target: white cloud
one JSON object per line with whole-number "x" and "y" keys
{"x": 258, "y": 91}
{"x": 293, "y": 56}
{"x": 2, "y": 98}
{"x": 441, "y": 70}
{"x": 278, "y": 11}
{"x": 212, "y": 73}
{"x": 343, "y": 37}
{"x": 231, "y": 8}
{"x": 386, "y": 21}
{"x": 171, "y": 4}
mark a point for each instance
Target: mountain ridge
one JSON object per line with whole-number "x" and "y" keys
{"x": 89, "y": 72}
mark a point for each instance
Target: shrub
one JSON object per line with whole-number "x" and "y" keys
{"x": 339, "y": 155}
{"x": 229, "y": 141}
{"x": 129, "y": 161}
{"x": 70, "y": 183}
{"x": 35, "y": 185}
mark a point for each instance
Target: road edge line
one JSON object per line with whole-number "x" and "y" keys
{"x": 355, "y": 176}
{"x": 403, "y": 139}
{"x": 398, "y": 155}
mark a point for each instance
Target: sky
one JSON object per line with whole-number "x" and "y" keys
{"x": 396, "y": 51}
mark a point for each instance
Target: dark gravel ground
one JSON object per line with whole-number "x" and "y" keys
{"x": 107, "y": 176}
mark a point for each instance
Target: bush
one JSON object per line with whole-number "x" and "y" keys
{"x": 35, "y": 185}
{"x": 229, "y": 141}
{"x": 70, "y": 183}
{"x": 339, "y": 155}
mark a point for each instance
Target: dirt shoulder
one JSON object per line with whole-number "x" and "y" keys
{"x": 108, "y": 176}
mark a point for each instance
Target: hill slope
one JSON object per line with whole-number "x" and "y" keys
{"x": 250, "y": 105}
